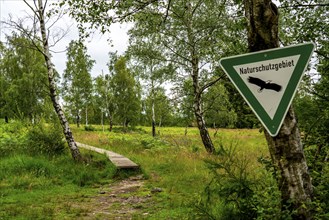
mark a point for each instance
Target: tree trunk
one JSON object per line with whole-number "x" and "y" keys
{"x": 86, "y": 116}
{"x": 152, "y": 107}
{"x": 78, "y": 119}
{"x": 52, "y": 87}
{"x": 286, "y": 148}
{"x": 125, "y": 125}
{"x": 102, "y": 120}
{"x": 159, "y": 125}
{"x": 160, "y": 122}
{"x": 197, "y": 105}
{"x": 216, "y": 130}
{"x": 111, "y": 121}
{"x": 153, "y": 118}
{"x": 289, "y": 160}
{"x": 206, "y": 140}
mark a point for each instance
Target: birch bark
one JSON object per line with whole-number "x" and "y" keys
{"x": 286, "y": 148}
{"x": 197, "y": 91}
{"x": 52, "y": 85}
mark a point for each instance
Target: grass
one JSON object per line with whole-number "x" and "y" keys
{"x": 43, "y": 188}
{"x": 175, "y": 162}
{"x": 40, "y": 187}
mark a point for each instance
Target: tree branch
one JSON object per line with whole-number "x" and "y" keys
{"x": 133, "y": 11}
{"x": 176, "y": 53}
{"x": 323, "y": 97}
{"x": 167, "y": 12}
{"x": 26, "y": 33}
{"x": 212, "y": 103}
{"x": 322, "y": 54}
{"x": 207, "y": 85}
{"x": 306, "y": 5}
{"x": 197, "y": 5}
{"x": 34, "y": 11}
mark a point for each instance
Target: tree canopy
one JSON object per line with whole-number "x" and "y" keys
{"x": 77, "y": 84}
{"x": 23, "y": 71}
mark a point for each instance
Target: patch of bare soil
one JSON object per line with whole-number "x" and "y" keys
{"x": 120, "y": 200}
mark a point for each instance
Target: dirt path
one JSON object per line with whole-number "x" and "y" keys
{"x": 121, "y": 200}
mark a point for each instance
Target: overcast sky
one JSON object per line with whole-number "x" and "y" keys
{"x": 98, "y": 47}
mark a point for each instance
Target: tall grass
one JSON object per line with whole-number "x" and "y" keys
{"x": 35, "y": 183}
{"x": 43, "y": 183}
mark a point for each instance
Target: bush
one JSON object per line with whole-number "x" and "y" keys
{"x": 12, "y": 138}
{"x": 90, "y": 128}
{"x": 321, "y": 192}
{"x": 45, "y": 139}
{"x": 130, "y": 129}
{"x": 150, "y": 142}
{"x": 236, "y": 192}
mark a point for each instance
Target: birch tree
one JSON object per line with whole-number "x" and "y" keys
{"x": 39, "y": 10}
{"x": 23, "y": 71}
{"x": 286, "y": 148}
{"x": 157, "y": 108}
{"x": 151, "y": 68}
{"x": 126, "y": 94}
{"x": 77, "y": 84}
{"x": 104, "y": 97}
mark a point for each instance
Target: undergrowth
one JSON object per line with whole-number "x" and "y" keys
{"x": 37, "y": 173}
{"x": 238, "y": 192}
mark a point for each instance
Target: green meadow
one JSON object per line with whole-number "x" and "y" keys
{"x": 52, "y": 186}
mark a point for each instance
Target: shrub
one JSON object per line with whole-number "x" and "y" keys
{"x": 235, "y": 192}
{"x": 151, "y": 142}
{"x": 12, "y": 138}
{"x": 45, "y": 139}
{"x": 321, "y": 192}
{"x": 90, "y": 128}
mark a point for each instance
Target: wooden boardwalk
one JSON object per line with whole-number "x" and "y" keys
{"x": 118, "y": 160}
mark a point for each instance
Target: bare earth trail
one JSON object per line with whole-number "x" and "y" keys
{"x": 120, "y": 200}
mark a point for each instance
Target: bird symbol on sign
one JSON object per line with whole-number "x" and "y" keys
{"x": 264, "y": 85}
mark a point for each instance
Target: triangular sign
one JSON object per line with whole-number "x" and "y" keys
{"x": 268, "y": 80}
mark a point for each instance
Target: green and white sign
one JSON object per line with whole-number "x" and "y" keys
{"x": 268, "y": 80}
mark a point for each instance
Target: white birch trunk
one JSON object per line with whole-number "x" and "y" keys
{"x": 52, "y": 86}
{"x": 86, "y": 116}
{"x": 102, "y": 120}
{"x": 153, "y": 118}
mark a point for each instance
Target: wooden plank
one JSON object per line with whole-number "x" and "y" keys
{"x": 118, "y": 160}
